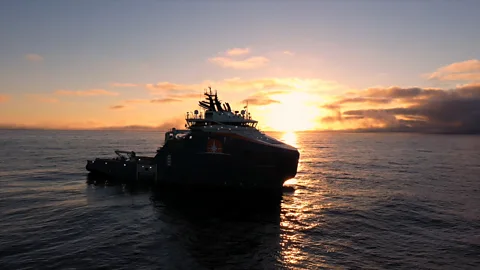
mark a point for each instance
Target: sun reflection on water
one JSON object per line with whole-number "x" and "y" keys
{"x": 302, "y": 211}
{"x": 300, "y": 215}
{"x": 290, "y": 138}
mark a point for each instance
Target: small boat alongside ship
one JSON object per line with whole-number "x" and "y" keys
{"x": 219, "y": 148}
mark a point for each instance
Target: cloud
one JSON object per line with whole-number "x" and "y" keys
{"x": 447, "y": 111}
{"x": 231, "y": 59}
{"x": 260, "y": 101}
{"x": 163, "y": 87}
{"x": 42, "y": 98}
{"x": 33, "y": 57}
{"x": 288, "y": 53}
{"x": 164, "y": 100}
{"x": 130, "y": 102}
{"x": 399, "y": 92}
{"x": 124, "y": 84}
{"x": 262, "y": 88}
{"x": 371, "y": 100}
{"x": 4, "y": 98}
{"x": 83, "y": 93}
{"x": 460, "y": 71}
{"x": 263, "y": 98}
{"x": 243, "y": 85}
{"x": 248, "y": 63}
{"x": 118, "y": 107}
{"x": 237, "y": 51}
{"x": 137, "y": 101}
{"x": 187, "y": 95}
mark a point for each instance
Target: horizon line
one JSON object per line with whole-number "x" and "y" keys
{"x": 161, "y": 129}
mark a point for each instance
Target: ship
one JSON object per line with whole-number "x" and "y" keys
{"x": 219, "y": 148}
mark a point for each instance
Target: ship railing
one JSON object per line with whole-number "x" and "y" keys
{"x": 199, "y": 116}
{"x": 227, "y": 125}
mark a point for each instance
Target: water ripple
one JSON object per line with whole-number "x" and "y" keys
{"x": 371, "y": 201}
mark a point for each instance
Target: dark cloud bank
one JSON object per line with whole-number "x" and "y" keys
{"x": 455, "y": 111}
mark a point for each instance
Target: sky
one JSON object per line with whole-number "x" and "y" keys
{"x": 302, "y": 65}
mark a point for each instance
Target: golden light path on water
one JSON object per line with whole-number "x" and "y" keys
{"x": 300, "y": 211}
{"x": 290, "y": 252}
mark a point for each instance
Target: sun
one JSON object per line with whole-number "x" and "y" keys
{"x": 293, "y": 113}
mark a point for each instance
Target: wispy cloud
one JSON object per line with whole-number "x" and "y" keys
{"x": 124, "y": 84}
{"x": 187, "y": 96}
{"x": 4, "y": 98}
{"x": 260, "y": 89}
{"x": 34, "y": 57}
{"x": 130, "y": 103}
{"x": 164, "y": 100}
{"x": 42, "y": 98}
{"x": 370, "y": 100}
{"x": 260, "y": 101}
{"x": 263, "y": 98}
{"x": 248, "y": 63}
{"x": 460, "y": 71}
{"x": 163, "y": 87}
{"x": 237, "y": 51}
{"x": 84, "y": 93}
{"x": 237, "y": 59}
{"x": 178, "y": 90}
{"x": 137, "y": 101}
{"x": 289, "y": 53}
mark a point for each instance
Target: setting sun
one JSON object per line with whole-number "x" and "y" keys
{"x": 292, "y": 113}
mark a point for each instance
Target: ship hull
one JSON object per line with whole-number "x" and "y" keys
{"x": 123, "y": 171}
{"x": 236, "y": 162}
{"x": 207, "y": 160}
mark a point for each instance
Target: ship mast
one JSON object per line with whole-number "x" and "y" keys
{"x": 246, "y": 109}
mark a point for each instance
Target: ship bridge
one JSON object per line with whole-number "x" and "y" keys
{"x": 216, "y": 113}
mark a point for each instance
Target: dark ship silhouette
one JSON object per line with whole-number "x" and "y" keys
{"x": 220, "y": 148}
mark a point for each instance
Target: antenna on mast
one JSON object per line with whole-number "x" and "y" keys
{"x": 245, "y": 108}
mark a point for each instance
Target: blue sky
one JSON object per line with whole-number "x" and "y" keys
{"x": 91, "y": 44}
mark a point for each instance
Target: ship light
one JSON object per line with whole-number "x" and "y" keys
{"x": 150, "y": 167}
{"x": 105, "y": 162}
{"x": 124, "y": 165}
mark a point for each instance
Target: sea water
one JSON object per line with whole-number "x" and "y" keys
{"x": 370, "y": 201}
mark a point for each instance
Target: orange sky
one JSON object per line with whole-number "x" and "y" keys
{"x": 278, "y": 103}
{"x": 149, "y": 68}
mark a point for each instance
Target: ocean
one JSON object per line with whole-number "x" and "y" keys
{"x": 359, "y": 201}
